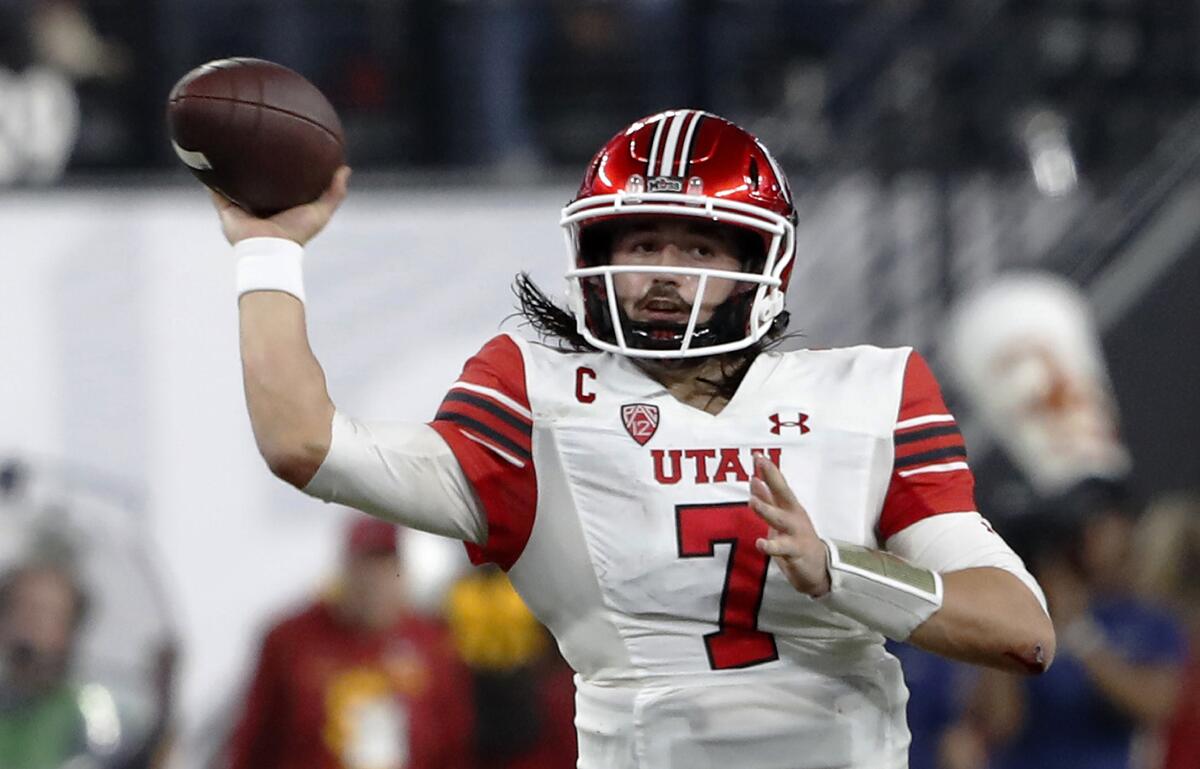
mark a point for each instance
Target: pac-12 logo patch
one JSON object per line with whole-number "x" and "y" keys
{"x": 641, "y": 420}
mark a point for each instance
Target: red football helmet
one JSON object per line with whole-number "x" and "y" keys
{"x": 682, "y": 163}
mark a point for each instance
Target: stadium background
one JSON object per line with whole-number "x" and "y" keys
{"x": 933, "y": 146}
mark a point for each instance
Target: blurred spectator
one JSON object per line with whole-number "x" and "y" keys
{"x": 65, "y": 40}
{"x": 524, "y": 692}
{"x": 55, "y": 68}
{"x": 87, "y": 658}
{"x": 937, "y": 693}
{"x": 1116, "y": 675}
{"x": 510, "y": 84}
{"x": 39, "y": 109}
{"x": 1168, "y": 556}
{"x": 485, "y": 47}
{"x": 42, "y": 606}
{"x": 356, "y": 681}
{"x": 370, "y": 58}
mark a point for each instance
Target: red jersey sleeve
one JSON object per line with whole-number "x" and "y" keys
{"x": 930, "y": 474}
{"x": 487, "y": 422}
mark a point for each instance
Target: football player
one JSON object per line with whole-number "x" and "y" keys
{"x": 719, "y": 535}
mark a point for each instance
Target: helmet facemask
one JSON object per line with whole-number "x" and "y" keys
{"x": 748, "y": 314}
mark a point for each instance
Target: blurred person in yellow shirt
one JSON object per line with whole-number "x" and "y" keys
{"x": 523, "y": 690}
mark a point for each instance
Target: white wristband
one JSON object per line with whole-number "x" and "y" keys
{"x": 270, "y": 264}
{"x": 881, "y": 590}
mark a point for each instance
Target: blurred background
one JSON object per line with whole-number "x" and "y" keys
{"x": 1012, "y": 186}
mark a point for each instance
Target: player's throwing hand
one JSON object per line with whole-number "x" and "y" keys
{"x": 300, "y": 224}
{"x": 792, "y": 541}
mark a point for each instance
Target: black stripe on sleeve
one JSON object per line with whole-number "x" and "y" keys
{"x": 476, "y": 426}
{"x": 458, "y": 396}
{"x": 929, "y": 456}
{"x": 929, "y": 432}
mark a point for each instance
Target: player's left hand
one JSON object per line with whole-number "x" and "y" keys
{"x": 791, "y": 540}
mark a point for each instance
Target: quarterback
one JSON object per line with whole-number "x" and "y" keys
{"x": 720, "y": 535}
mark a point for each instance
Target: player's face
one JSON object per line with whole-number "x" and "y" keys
{"x": 666, "y": 297}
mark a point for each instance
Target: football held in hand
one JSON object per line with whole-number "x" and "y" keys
{"x": 256, "y": 132}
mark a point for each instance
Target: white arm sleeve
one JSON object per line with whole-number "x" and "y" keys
{"x": 403, "y": 472}
{"x": 956, "y": 541}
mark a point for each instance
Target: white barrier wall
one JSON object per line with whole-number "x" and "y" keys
{"x": 119, "y": 335}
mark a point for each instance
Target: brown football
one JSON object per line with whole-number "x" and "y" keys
{"x": 256, "y": 132}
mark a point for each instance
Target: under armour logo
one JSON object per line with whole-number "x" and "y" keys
{"x": 801, "y": 421}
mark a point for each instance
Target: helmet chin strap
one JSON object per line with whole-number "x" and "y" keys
{"x": 664, "y": 336}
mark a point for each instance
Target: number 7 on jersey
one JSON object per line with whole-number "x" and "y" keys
{"x": 737, "y": 643}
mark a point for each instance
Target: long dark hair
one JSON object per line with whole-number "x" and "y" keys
{"x": 557, "y": 327}
{"x": 553, "y": 324}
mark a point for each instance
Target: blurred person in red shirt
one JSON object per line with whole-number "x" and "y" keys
{"x": 356, "y": 680}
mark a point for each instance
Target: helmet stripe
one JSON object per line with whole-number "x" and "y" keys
{"x": 668, "y": 154}
{"x": 654, "y": 147}
{"x": 685, "y": 158}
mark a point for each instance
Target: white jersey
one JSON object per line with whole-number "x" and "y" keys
{"x": 622, "y": 518}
